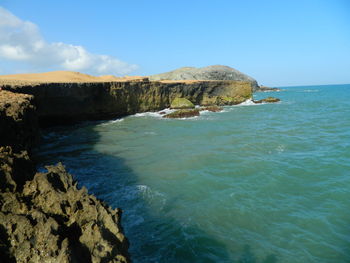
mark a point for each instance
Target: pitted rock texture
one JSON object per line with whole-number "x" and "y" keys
{"x": 53, "y": 221}
{"x": 15, "y": 169}
{"x": 44, "y": 217}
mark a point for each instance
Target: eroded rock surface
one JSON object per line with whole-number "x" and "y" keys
{"x": 44, "y": 217}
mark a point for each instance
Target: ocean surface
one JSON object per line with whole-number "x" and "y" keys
{"x": 255, "y": 183}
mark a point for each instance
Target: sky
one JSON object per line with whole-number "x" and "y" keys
{"x": 279, "y": 43}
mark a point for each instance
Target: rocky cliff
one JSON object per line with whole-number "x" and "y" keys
{"x": 69, "y": 102}
{"x": 44, "y": 217}
{"x": 216, "y": 72}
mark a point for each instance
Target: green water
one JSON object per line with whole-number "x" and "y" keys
{"x": 255, "y": 183}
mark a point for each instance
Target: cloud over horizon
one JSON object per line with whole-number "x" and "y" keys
{"x": 21, "y": 41}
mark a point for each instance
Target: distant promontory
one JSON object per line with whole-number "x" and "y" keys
{"x": 216, "y": 72}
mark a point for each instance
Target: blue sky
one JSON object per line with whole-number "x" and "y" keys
{"x": 276, "y": 42}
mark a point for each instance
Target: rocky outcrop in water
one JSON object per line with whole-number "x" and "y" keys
{"x": 184, "y": 113}
{"x": 267, "y": 100}
{"x": 44, "y": 217}
{"x": 211, "y": 108}
{"x": 70, "y": 102}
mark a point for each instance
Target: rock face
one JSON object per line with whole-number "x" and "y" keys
{"x": 18, "y": 120}
{"x": 43, "y": 216}
{"x": 181, "y": 103}
{"x": 69, "y": 102}
{"x": 216, "y": 72}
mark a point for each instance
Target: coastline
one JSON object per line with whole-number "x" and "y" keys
{"x": 49, "y": 205}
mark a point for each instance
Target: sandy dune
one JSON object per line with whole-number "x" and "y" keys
{"x": 62, "y": 76}
{"x": 73, "y": 77}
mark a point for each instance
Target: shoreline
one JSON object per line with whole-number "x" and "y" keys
{"x": 49, "y": 205}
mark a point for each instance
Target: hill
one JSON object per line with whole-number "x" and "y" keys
{"x": 216, "y": 72}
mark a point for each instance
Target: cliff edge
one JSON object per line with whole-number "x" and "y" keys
{"x": 60, "y": 103}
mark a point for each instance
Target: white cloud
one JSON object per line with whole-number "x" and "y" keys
{"x": 21, "y": 41}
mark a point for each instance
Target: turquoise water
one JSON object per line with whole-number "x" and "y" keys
{"x": 255, "y": 183}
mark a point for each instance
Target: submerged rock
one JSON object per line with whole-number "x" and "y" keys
{"x": 267, "y": 100}
{"x": 181, "y": 103}
{"x": 212, "y": 108}
{"x": 185, "y": 113}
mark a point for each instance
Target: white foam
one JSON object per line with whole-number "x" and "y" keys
{"x": 117, "y": 120}
{"x": 248, "y": 102}
{"x": 280, "y": 148}
{"x": 187, "y": 118}
{"x": 153, "y": 114}
{"x": 111, "y": 122}
{"x": 146, "y": 114}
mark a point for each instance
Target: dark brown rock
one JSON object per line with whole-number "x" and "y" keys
{"x": 212, "y": 108}
{"x": 267, "y": 100}
{"x": 185, "y": 113}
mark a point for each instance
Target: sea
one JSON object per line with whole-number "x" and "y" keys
{"x": 255, "y": 183}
